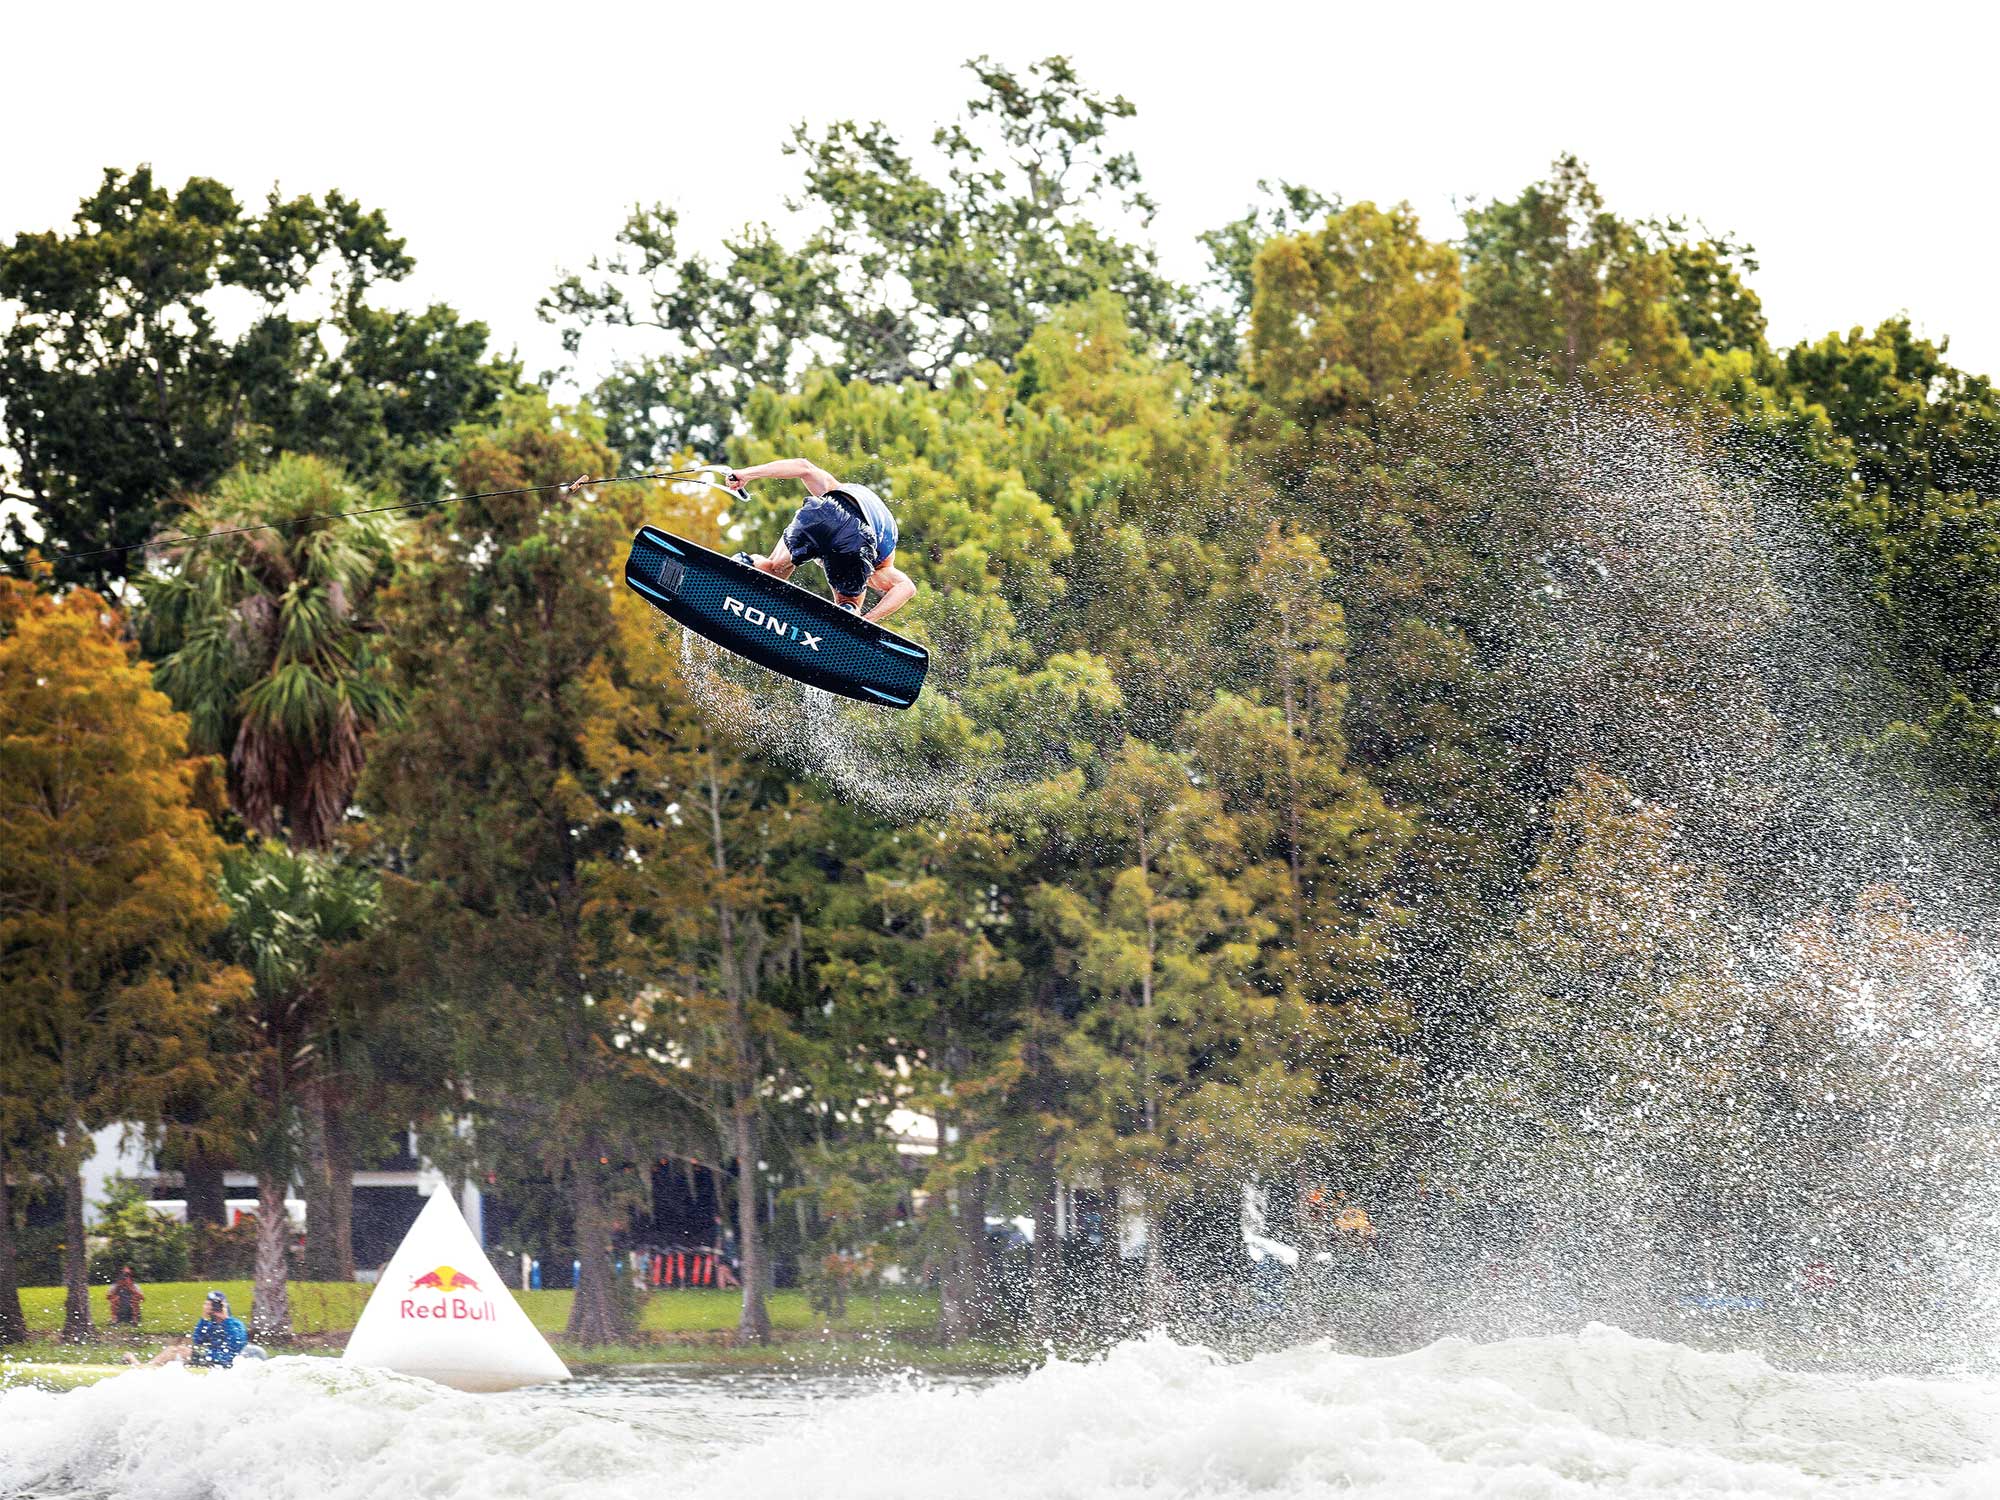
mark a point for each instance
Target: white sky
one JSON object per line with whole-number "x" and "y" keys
{"x": 505, "y": 143}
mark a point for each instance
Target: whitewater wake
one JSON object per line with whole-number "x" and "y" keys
{"x": 1594, "y": 1414}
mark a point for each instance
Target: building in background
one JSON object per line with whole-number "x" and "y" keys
{"x": 389, "y": 1191}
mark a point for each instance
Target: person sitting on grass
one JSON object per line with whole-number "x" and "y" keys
{"x": 124, "y": 1298}
{"x": 216, "y": 1341}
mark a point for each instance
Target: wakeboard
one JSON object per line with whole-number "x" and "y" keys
{"x": 778, "y": 625}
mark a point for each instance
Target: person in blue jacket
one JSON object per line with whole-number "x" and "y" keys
{"x": 218, "y": 1338}
{"x": 216, "y": 1341}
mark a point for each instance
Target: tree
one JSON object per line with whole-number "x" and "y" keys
{"x": 1562, "y": 289}
{"x": 266, "y": 637}
{"x": 1323, "y": 1088}
{"x": 28, "y": 1085}
{"x": 1860, "y": 1080}
{"x": 119, "y": 392}
{"x": 725, "y": 861}
{"x": 505, "y": 645}
{"x": 1359, "y": 429}
{"x": 1712, "y": 300}
{"x": 1616, "y": 972}
{"x": 287, "y": 909}
{"x": 1173, "y": 1060}
{"x": 13, "y": 1321}
{"x": 266, "y": 640}
{"x": 1363, "y": 312}
{"x": 709, "y": 1025}
{"x": 1918, "y": 441}
{"x": 910, "y": 278}
{"x": 107, "y": 895}
{"x": 1211, "y": 338}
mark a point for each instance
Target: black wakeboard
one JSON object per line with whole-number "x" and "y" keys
{"x": 778, "y": 625}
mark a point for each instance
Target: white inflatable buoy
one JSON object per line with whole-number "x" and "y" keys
{"x": 442, "y": 1312}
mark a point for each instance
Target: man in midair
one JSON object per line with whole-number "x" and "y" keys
{"x": 848, "y": 528}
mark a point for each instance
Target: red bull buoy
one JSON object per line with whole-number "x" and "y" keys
{"x": 442, "y": 1312}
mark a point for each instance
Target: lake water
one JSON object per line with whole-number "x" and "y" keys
{"x": 1593, "y": 1414}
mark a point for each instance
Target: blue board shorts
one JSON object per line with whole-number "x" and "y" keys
{"x": 849, "y": 541}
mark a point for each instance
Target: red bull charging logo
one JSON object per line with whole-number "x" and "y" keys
{"x": 448, "y": 1282}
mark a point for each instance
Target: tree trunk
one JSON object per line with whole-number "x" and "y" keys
{"x": 954, "y": 1318}
{"x": 340, "y": 1175}
{"x": 1114, "y": 1264}
{"x": 1047, "y": 1262}
{"x": 1148, "y": 1095}
{"x": 201, "y": 1177}
{"x": 271, "y": 1297}
{"x": 740, "y": 973}
{"x": 13, "y": 1324}
{"x": 976, "y": 1287}
{"x": 76, "y": 1327}
{"x": 321, "y": 1258}
{"x": 1156, "y": 1280}
{"x": 755, "y": 1323}
{"x": 954, "y": 1302}
{"x": 595, "y": 1316}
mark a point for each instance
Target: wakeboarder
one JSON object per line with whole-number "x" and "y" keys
{"x": 847, "y": 527}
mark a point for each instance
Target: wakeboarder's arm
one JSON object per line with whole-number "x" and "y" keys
{"x": 895, "y": 587}
{"x": 816, "y": 480}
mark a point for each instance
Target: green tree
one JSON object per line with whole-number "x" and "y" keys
{"x": 910, "y": 278}
{"x": 287, "y": 909}
{"x": 267, "y": 638}
{"x": 1919, "y": 441}
{"x": 1563, "y": 289}
{"x": 1360, "y": 417}
{"x": 152, "y": 1242}
{"x": 119, "y": 391}
{"x": 1320, "y": 849}
{"x": 1363, "y": 312}
{"x": 1211, "y": 337}
{"x": 729, "y": 858}
{"x": 917, "y": 953}
{"x": 266, "y": 641}
{"x": 1615, "y": 970}
{"x": 107, "y": 897}
{"x": 1171, "y": 1063}
{"x": 505, "y": 643}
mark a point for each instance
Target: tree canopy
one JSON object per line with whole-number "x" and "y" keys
{"x": 124, "y": 383}
{"x": 1447, "y": 721}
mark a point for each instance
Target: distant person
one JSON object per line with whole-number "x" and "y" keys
{"x": 216, "y": 1341}
{"x": 125, "y": 1298}
{"x": 847, "y": 527}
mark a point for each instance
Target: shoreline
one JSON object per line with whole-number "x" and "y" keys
{"x": 50, "y": 1362}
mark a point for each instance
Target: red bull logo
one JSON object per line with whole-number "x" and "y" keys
{"x": 447, "y": 1281}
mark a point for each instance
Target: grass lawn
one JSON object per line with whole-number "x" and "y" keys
{"x": 678, "y": 1326}
{"x": 172, "y": 1308}
{"x": 694, "y": 1310}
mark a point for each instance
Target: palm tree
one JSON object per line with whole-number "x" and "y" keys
{"x": 262, "y": 639}
{"x": 287, "y": 909}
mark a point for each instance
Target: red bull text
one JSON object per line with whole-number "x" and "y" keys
{"x": 446, "y": 1280}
